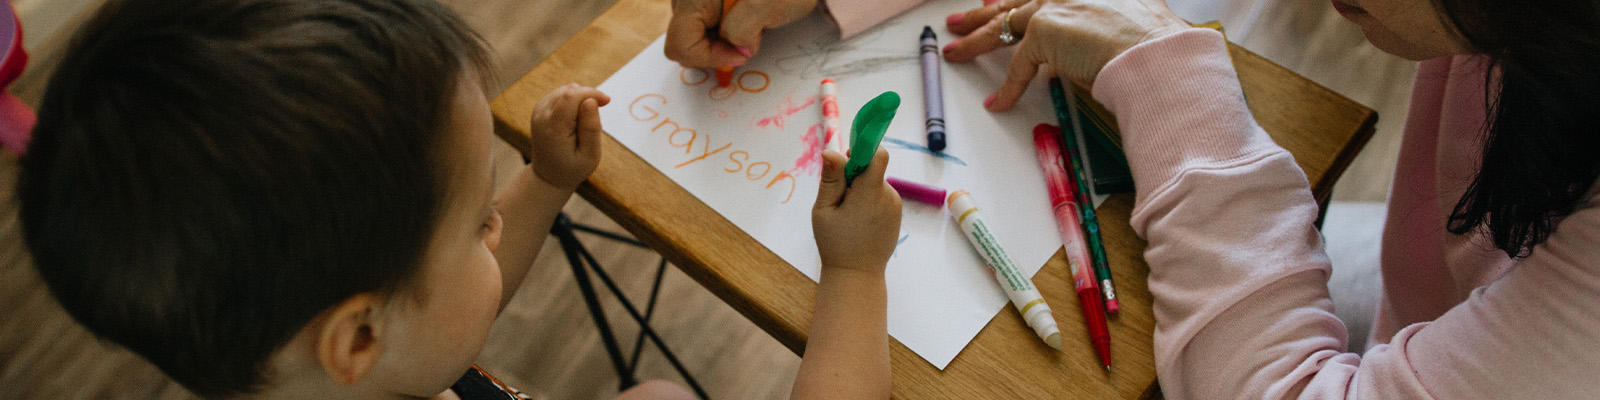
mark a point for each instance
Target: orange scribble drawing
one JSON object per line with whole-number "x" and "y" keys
{"x": 720, "y": 93}
{"x": 765, "y": 81}
{"x": 700, "y": 76}
{"x": 746, "y": 82}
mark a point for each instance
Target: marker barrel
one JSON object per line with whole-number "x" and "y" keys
{"x": 919, "y": 192}
{"x": 1019, "y": 288}
{"x": 832, "y": 137}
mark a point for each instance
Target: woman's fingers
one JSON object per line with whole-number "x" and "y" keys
{"x": 986, "y": 38}
{"x": 743, "y": 25}
{"x": 688, "y": 42}
{"x": 1024, "y": 67}
{"x": 963, "y": 23}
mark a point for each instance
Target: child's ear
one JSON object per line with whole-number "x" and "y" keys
{"x": 347, "y": 344}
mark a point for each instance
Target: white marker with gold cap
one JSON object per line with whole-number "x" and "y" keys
{"x": 1018, "y": 287}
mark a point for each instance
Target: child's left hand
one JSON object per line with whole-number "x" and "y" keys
{"x": 566, "y": 135}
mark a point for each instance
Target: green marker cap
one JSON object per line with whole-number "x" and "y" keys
{"x": 872, "y": 121}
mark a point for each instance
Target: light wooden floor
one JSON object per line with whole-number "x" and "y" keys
{"x": 545, "y": 342}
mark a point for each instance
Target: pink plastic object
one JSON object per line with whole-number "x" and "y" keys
{"x": 16, "y": 119}
{"x": 916, "y": 191}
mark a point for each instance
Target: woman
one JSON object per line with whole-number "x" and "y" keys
{"x": 1488, "y": 272}
{"x": 1491, "y": 249}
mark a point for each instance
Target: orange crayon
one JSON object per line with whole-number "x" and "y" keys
{"x": 725, "y": 73}
{"x": 724, "y": 76}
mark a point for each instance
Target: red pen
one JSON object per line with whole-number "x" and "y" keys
{"x": 1064, "y": 199}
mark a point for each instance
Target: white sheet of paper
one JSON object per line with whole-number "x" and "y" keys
{"x": 750, "y": 151}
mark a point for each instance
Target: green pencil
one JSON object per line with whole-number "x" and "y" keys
{"x": 1067, "y": 115}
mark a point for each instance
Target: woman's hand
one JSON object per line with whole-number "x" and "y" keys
{"x": 700, "y": 36}
{"x": 1075, "y": 37}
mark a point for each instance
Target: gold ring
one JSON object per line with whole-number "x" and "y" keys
{"x": 1006, "y": 35}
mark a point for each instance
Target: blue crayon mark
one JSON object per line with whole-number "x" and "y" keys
{"x": 896, "y": 252}
{"x": 923, "y": 149}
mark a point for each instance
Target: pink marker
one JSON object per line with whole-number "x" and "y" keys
{"x": 1064, "y": 199}
{"x": 917, "y": 191}
{"x": 830, "y": 116}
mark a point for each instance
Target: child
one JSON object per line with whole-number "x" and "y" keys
{"x": 294, "y": 199}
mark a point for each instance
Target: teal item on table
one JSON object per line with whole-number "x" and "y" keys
{"x": 871, "y": 123}
{"x": 1104, "y": 154}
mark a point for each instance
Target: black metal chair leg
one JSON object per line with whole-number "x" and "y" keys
{"x": 572, "y": 248}
{"x": 643, "y": 327}
{"x": 577, "y": 256}
{"x": 649, "y": 311}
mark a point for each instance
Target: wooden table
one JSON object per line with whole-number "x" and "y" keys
{"x": 1322, "y": 129}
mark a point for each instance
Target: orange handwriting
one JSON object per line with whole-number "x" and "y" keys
{"x": 645, "y": 108}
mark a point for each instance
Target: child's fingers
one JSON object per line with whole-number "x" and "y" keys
{"x": 589, "y": 129}
{"x": 561, "y": 110}
{"x": 584, "y": 92}
{"x": 873, "y": 175}
{"x": 573, "y": 95}
{"x": 832, "y": 186}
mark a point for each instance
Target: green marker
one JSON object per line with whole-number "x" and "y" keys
{"x": 867, "y": 131}
{"x": 1067, "y": 114}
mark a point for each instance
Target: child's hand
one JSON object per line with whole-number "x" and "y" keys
{"x": 856, "y": 227}
{"x": 566, "y": 135}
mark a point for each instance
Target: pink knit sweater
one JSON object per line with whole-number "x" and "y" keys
{"x": 1240, "y": 277}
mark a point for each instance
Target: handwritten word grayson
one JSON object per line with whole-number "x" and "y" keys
{"x": 641, "y": 109}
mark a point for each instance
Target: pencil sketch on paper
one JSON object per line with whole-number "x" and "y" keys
{"x": 826, "y": 56}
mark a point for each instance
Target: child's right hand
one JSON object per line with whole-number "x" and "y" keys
{"x": 856, "y": 227}
{"x": 566, "y": 135}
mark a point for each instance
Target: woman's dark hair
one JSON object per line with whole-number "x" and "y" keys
{"x": 1542, "y": 140}
{"x": 207, "y": 176}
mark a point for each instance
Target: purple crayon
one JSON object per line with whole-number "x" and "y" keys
{"x": 932, "y": 88}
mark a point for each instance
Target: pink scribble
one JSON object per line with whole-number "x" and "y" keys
{"x": 784, "y": 111}
{"x": 721, "y": 113}
{"x": 811, "y": 159}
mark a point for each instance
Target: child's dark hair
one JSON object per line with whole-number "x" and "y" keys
{"x": 209, "y": 175}
{"x": 1540, "y": 147}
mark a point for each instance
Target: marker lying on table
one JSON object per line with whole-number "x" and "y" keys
{"x": 1018, "y": 287}
{"x": 916, "y": 191}
{"x": 830, "y": 116}
{"x": 1067, "y": 114}
{"x": 867, "y": 131}
{"x": 725, "y": 73}
{"x": 932, "y": 90}
{"x": 1064, "y": 200}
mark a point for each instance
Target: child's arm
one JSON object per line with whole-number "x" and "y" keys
{"x": 566, "y": 148}
{"x": 847, "y": 354}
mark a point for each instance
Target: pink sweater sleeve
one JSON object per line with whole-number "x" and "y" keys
{"x": 1239, "y": 275}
